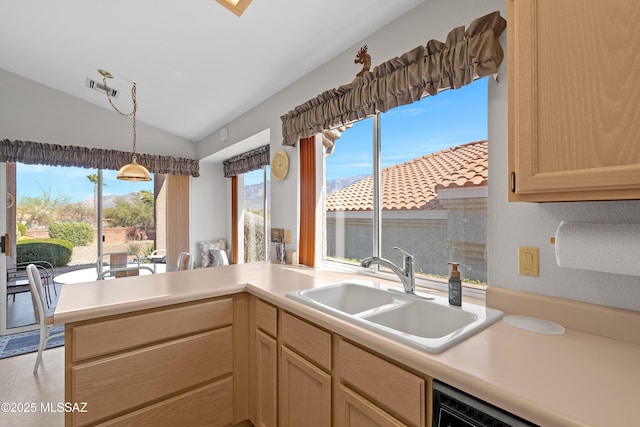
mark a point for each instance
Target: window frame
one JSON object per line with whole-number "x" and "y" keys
{"x": 376, "y": 271}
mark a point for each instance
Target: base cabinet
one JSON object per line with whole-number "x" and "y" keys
{"x": 305, "y": 373}
{"x": 390, "y": 394}
{"x": 325, "y": 380}
{"x": 355, "y": 411}
{"x": 160, "y": 367}
{"x": 266, "y": 380}
{"x": 305, "y": 392}
{"x": 263, "y": 392}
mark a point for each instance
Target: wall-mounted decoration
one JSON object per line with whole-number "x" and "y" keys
{"x": 10, "y": 200}
{"x": 362, "y": 57}
{"x": 280, "y": 165}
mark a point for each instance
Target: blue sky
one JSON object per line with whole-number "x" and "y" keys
{"x": 32, "y": 180}
{"x": 453, "y": 117}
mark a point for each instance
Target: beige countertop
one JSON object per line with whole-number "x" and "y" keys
{"x": 574, "y": 379}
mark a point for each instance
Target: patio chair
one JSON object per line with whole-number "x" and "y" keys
{"x": 17, "y": 281}
{"x": 185, "y": 261}
{"x": 124, "y": 272}
{"x": 44, "y": 317}
{"x": 159, "y": 256}
{"x": 118, "y": 263}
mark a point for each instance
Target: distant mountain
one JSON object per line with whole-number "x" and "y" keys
{"x": 340, "y": 183}
{"x": 253, "y": 197}
{"x": 253, "y": 194}
{"x": 108, "y": 200}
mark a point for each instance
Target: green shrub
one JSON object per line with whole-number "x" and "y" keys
{"x": 136, "y": 246}
{"x": 56, "y": 251}
{"x": 21, "y": 230}
{"x": 78, "y": 233}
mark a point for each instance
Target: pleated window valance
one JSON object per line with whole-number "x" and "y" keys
{"x": 425, "y": 70}
{"x": 246, "y": 162}
{"x": 37, "y": 153}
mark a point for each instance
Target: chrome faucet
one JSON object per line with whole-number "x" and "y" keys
{"x": 406, "y": 275}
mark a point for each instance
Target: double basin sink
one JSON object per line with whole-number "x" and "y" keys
{"x": 423, "y": 321}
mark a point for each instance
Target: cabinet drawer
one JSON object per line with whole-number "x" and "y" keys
{"x": 399, "y": 392}
{"x": 308, "y": 340}
{"x": 126, "y": 381}
{"x": 96, "y": 339}
{"x": 355, "y": 410}
{"x": 211, "y": 405}
{"x": 267, "y": 318}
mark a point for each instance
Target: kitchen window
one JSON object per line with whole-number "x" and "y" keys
{"x": 256, "y": 215}
{"x": 415, "y": 177}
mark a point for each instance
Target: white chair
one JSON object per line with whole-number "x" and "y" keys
{"x": 44, "y": 317}
{"x": 185, "y": 261}
{"x": 118, "y": 272}
{"x": 159, "y": 256}
{"x": 119, "y": 263}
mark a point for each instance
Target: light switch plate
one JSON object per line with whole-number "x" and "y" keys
{"x": 528, "y": 261}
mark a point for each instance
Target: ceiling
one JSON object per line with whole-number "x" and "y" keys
{"x": 197, "y": 66}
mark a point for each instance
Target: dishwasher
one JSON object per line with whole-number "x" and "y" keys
{"x": 455, "y": 408}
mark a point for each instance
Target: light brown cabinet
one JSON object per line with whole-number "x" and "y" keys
{"x": 162, "y": 367}
{"x": 305, "y": 374}
{"x": 355, "y": 411}
{"x": 324, "y": 380}
{"x": 573, "y": 100}
{"x": 374, "y": 391}
{"x": 265, "y": 376}
{"x": 305, "y": 392}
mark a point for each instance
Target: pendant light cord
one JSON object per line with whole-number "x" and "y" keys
{"x": 131, "y": 114}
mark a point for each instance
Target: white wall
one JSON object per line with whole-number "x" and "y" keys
{"x": 510, "y": 224}
{"x": 30, "y": 111}
{"x": 210, "y": 211}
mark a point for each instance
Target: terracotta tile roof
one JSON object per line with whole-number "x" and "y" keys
{"x": 413, "y": 185}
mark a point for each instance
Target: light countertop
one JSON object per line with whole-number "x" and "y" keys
{"x": 574, "y": 379}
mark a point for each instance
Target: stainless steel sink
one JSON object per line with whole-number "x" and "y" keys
{"x": 422, "y": 321}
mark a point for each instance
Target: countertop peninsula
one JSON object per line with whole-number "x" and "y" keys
{"x": 573, "y": 379}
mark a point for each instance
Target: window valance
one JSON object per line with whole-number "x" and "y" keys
{"x": 37, "y": 153}
{"x": 246, "y": 162}
{"x": 425, "y": 70}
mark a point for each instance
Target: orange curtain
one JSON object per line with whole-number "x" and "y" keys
{"x": 177, "y": 216}
{"x": 234, "y": 219}
{"x": 307, "y": 201}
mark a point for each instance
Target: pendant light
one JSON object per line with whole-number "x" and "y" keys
{"x": 132, "y": 171}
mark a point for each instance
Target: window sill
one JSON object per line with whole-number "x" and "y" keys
{"x": 420, "y": 283}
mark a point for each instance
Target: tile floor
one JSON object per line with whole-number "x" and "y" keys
{"x": 18, "y": 385}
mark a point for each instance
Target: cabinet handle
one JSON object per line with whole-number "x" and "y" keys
{"x": 512, "y": 182}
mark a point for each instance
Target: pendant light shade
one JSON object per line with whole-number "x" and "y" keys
{"x": 134, "y": 172}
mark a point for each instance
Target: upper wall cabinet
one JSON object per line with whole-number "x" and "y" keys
{"x": 574, "y": 100}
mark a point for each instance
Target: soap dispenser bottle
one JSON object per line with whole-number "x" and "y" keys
{"x": 455, "y": 285}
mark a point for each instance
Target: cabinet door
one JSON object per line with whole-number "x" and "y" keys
{"x": 266, "y": 380}
{"x": 573, "y": 100}
{"x": 355, "y": 411}
{"x": 305, "y": 392}
{"x": 398, "y": 391}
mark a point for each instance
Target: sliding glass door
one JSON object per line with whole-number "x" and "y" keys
{"x": 3, "y": 256}
{"x": 88, "y": 207}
